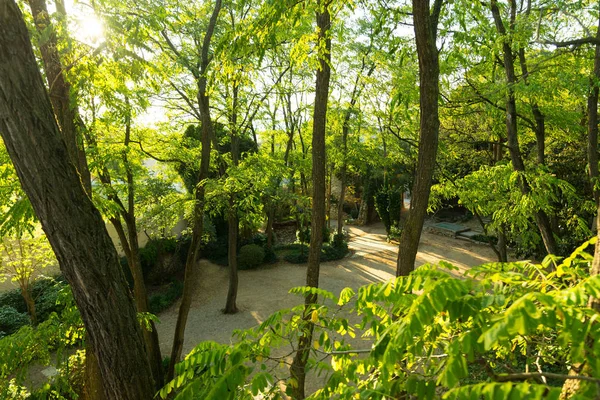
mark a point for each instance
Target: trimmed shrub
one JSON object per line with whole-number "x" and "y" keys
{"x": 339, "y": 241}
{"x": 11, "y": 320}
{"x": 251, "y": 256}
{"x": 14, "y": 299}
{"x": 45, "y": 293}
{"x": 332, "y": 253}
{"x": 329, "y": 252}
{"x": 296, "y": 257}
{"x": 270, "y": 255}
{"x": 161, "y": 301}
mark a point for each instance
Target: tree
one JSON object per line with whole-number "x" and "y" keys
{"x": 22, "y": 260}
{"x": 67, "y": 215}
{"x": 541, "y": 217}
{"x": 298, "y": 367}
{"x": 208, "y": 132}
{"x": 425, "y": 22}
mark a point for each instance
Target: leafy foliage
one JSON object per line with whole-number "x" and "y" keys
{"x": 419, "y": 335}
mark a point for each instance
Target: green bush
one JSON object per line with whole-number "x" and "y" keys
{"x": 250, "y": 256}
{"x": 303, "y": 234}
{"x": 45, "y": 293}
{"x": 11, "y": 320}
{"x": 215, "y": 251}
{"x": 14, "y": 299}
{"x": 329, "y": 252}
{"x": 332, "y": 253}
{"x": 388, "y": 205}
{"x": 270, "y": 255}
{"x": 161, "y": 301}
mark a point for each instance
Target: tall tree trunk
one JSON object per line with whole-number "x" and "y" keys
{"x": 592, "y": 111}
{"x": 75, "y": 229}
{"x": 208, "y": 131}
{"x": 232, "y": 218}
{"x": 298, "y": 367}
{"x": 328, "y": 197}
{"x": 135, "y": 264}
{"x": 541, "y": 218}
{"x": 67, "y": 114}
{"x": 425, "y": 22}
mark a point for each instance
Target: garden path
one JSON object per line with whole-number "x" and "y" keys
{"x": 264, "y": 291}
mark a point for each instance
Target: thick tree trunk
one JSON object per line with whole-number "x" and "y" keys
{"x": 541, "y": 218}
{"x": 208, "y": 131}
{"x": 67, "y": 114}
{"x": 298, "y": 367}
{"x": 429, "y": 72}
{"x": 93, "y": 389}
{"x": 74, "y": 227}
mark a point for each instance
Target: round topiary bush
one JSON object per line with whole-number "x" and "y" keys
{"x": 251, "y": 256}
{"x": 11, "y": 320}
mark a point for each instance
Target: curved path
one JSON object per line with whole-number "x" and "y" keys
{"x": 264, "y": 291}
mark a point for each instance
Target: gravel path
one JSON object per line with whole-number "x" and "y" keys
{"x": 264, "y": 291}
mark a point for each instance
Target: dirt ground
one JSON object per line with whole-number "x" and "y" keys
{"x": 264, "y": 291}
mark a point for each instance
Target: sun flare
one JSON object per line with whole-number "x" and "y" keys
{"x": 89, "y": 29}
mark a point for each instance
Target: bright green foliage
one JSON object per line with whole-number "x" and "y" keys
{"x": 493, "y": 192}
{"x": 425, "y": 335}
{"x": 29, "y": 343}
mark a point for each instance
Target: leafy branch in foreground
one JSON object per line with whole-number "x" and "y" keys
{"x": 501, "y": 331}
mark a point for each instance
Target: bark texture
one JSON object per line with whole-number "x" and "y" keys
{"x": 208, "y": 131}
{"x": 74, "y": 227}
{"x": 298, "y": 367}
{"x": 425, "y": 22}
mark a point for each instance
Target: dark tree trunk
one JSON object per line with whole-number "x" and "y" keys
{"x": 60, "y": 90}
{"x": 592, "y": 111}
{"x": 230, "y": 306}
{"x": 328, "y": 197}
{"x": 191, "y": 268}
{"x": 232, "y": 218}
{"x": 135, "y": 265}
{"x": 425, "y": 22}
{"x": 541, "y": 218}
{"x": 298, "y": 367}
{"x": 74, "y": 227}
{"x": 30, "y": 303}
